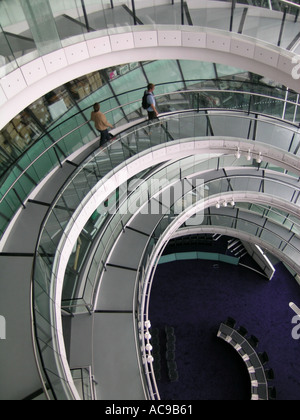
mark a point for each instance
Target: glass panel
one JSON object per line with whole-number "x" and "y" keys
{"x": 170, "y": 74}
{"x": 195, "y": 71}
{"x": 40, "y": 19}
{"x": 74, "y": 21}
{"x": 13, "y": 46}
{"x": 59, "y": 104}
{"x": 105, "y": 161}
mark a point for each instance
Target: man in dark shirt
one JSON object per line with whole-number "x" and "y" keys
{"x": 152, "y": 111}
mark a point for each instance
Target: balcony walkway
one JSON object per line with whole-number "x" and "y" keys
{"x": 114, "y": 307}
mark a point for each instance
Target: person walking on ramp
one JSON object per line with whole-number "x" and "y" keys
{"x": 101, "y": 124}
{"x": 149, "y": 102}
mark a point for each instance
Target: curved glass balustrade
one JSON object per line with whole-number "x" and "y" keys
{"x": 278, "y": 216}
{"x": 262, "y": 230}
{"x": 136, "y": 141}
{"x": 64, "y": 108}
{"x": 247, "y": 123}
{"x": 35, "y": 28}
{"x": 101, "y": 164}
{"x": 44, "y": 118}
{"x": 126, "y": 209}
{"x": 231, "y": 183}
{"x": 263, "y": 227}
{"x": 265, "y": 231}
{"x": 39, "y": 44}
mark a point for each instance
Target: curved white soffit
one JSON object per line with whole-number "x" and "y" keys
{"x": 141, "y": 43}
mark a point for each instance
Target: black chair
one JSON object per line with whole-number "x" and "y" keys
{"x": 155, "y": 334}
{"x": 170, "y": 346}
{"x": 172, "y": 365}
{"x": 170, "y": 355}
{"x": 264, "y": 358}
{"x": 253, "y": 341}
{"x": 272, "y": 393}
{"x": 155, "y": 341}
{"x": 157, "y": 371}
{"x": 156, "y": 355}
{"x": 269, "y": 374}
{"x": 242, "y": 331}
{"x": 173, "y": 375}
{"x": 169, "y": 330}
{"x": 158, "y": 376}
{"x": 171, "y": 338}
{"x": 230, "y": 322}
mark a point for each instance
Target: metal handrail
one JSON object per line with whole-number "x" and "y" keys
{"x": 55, "y": 126}
{"x": 150, "y": 269}
{"x": 158, "y": 96}
{"x": 37, "y": 158}
{"x": 290, "y": 3}
{"x": 83, "y": 10}
{"x": 52, "y": 146}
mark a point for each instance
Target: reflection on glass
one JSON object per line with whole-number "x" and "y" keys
{"x": 39, "y": 160}
{"x": 35, "y": 27}
{"x": 66, "y": 103}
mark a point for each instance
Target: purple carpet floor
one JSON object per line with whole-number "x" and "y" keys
{"x": 195, "y": 297}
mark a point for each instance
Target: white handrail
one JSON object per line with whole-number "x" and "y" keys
{"x": 290, "y": 3}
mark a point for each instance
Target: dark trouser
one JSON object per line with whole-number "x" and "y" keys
{"x": 104, "y": 137}
{"x": 152, "y": 116}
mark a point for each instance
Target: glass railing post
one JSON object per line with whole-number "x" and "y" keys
{"x": 282, "y": 26}
{"x": 249, "y": 105}
{"x": 296, "y": 109}
{"x": 134, "y": 13}
{"x": 2, "y": 31}
{"x": 85, "y": 16}
{"x": 233, "y": 3}
{"x": 56, "y": 154}
{"x": 42, "y": 25}
{"x": 19, "y": 198}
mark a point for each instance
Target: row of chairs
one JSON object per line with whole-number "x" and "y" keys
{"x": 172, "y": 371}
{"x": 156, "y": 352}
{"x": 263, "y": 356}
{"x": 252, "y": 340}
{"x": 170, "y": 353}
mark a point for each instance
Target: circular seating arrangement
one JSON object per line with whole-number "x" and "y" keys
{"x": 256, "y": 363}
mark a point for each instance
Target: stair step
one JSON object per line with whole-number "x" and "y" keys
{"x": 238, "y": 248}
{"x": 237, "y": 241}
